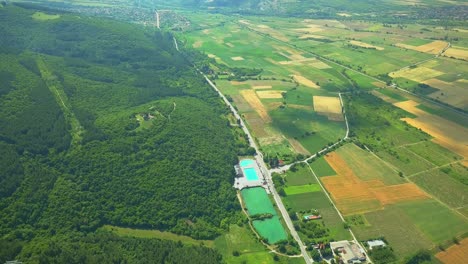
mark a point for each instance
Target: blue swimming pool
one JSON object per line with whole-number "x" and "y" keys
{"x": 250, "y": 174}
{"x": 246, "y": 162}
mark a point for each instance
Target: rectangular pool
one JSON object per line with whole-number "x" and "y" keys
{"x": 246, "y": 162}
{"x": 250, "y": 174}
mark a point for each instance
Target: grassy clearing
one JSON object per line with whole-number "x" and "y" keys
{"x": 433, "y": 153}
{"x": 436, "y": 221}
{"x": 291, "y": 190}
{"x": 368, "y": 167}
{"x": 322, "y": 168}
{"x": 55, "y": 87}
{"x": 242, "y": 240}
{"x": 444, "y": 187}
{"x": 44, "y": 17}
{"x": 301, "y": 176}
{"x": 142, "y": 233}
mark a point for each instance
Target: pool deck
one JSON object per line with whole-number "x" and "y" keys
{"x": 241, "y": 182}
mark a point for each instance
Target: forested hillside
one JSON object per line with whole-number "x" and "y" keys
{"x": 103, "y": 122}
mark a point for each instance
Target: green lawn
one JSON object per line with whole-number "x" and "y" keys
{"x": 322, "y": 168}
{"x": 298, "y": 189}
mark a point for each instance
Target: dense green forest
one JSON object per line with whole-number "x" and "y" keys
{"x": 103, "y": 122}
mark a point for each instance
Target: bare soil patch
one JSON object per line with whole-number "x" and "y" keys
{"x": 256, "y": 124}
{"x": 455, "y": 253}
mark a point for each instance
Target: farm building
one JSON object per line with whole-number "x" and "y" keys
{"x": 312, "y": 217}
{"x": 375, "y": 243}
{"x": 348, "y": 251}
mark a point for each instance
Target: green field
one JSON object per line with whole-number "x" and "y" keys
{"x": 322, "y": 168}
{"x": 301, "y": 176}
{"x": 43, "y": 16}
{"x": 298, "y": 189}
{"x": 392, "y": 93}
{"x": 257, "y": 201}
{"x": 443, "y": 187}
{"x": 271, "y": 229}
{"x": 433, "y": 153}
{"x": 439, "y": 223}
{"x": 367, "y": 166}
{"x": 407, "y": 162}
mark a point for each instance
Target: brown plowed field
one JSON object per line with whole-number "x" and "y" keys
{"x": 455, "y": 253}
{"x": 251, "y": 97}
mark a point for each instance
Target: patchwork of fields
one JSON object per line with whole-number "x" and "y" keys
{"x": 417, "y": 168}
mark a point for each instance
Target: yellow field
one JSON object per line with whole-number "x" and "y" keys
{"x": 454, "y": 93}
{"x": 446, "y": 133}
{"x": 258, "y": 87}
{"x": 319, "y": 65}
{"x": 365, "y": 45}
{"x": 434, "y": 47}
{"x": 251, "y": 98}
{"x": 271, "y": 94}
{"x": 455, "y": 253}
{"x": 306, "y": 82}
{"x": 307, "y": 36}
{"x": 418, "y": 74}
{"x": 457, "y": 53}
{"x": 328, "y": 106}
{"x": 43, "y": 16}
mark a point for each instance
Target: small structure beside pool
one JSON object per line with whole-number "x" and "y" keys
{"x": 248, "y": 174}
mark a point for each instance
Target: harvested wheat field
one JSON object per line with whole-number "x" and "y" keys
{"x": 237, "y": 58}
{"x": 434, "y": 47}
{"x": 365, "y": 45}
{"x": 271, "y": 94}
{"x": 353, "y": 195}
{"x": 446, "y": 133}
{"x": 251, "y": 97}
{"x": 258, "y": 87}
{"x": 328, "y": 106}
{"x": 453, "y": 93}
{"x": 312, "y": 36}
{"x": 418, "y": 74}
{"x": 319, "y": 65}
{"x": 399, "y": 193}
{"x": 306, "y": 82}
{"x": 454, "y": 254}
{"x": 457, "y": 53}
